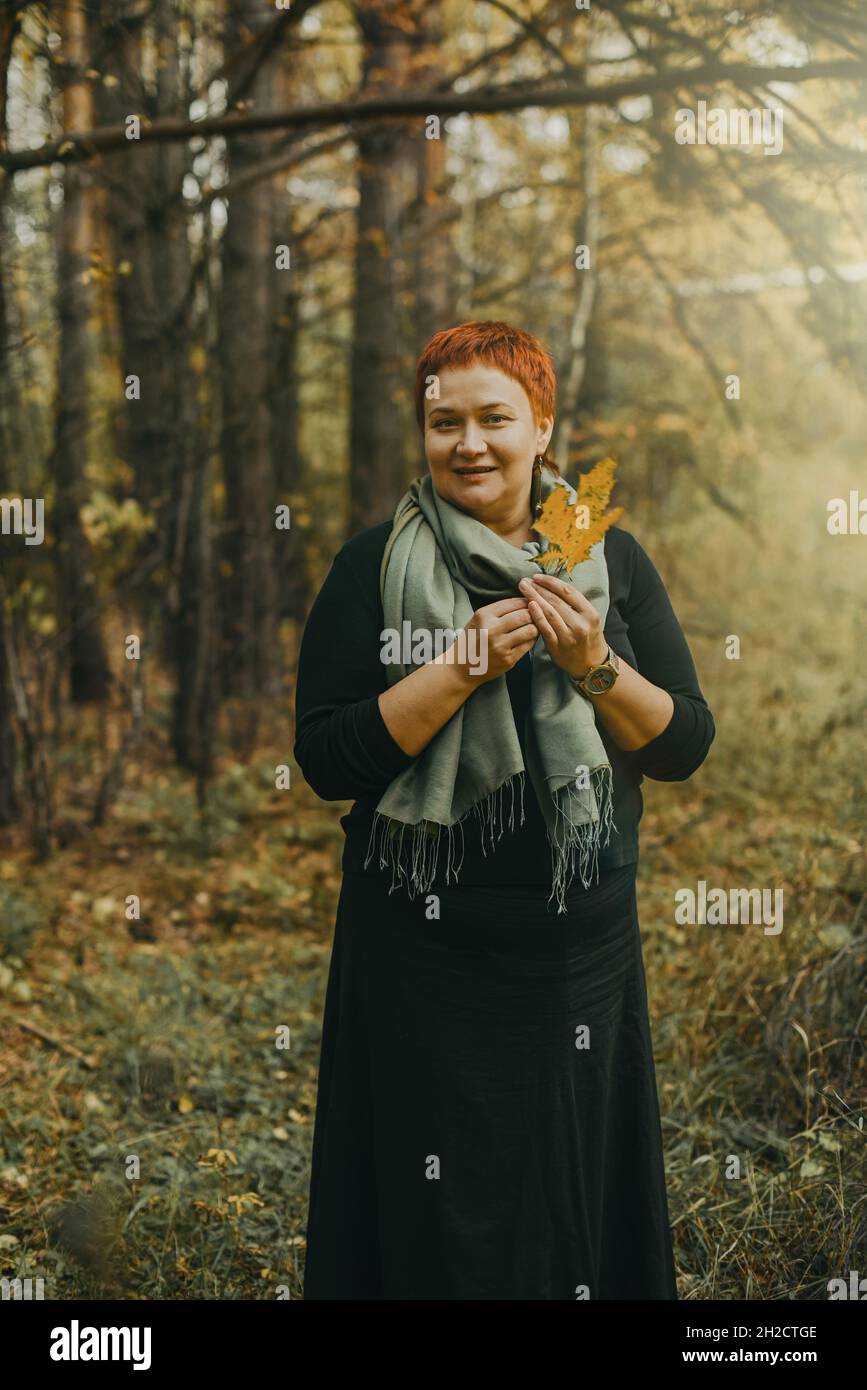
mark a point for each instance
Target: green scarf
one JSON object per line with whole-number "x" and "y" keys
{"x": 434, "y": 554}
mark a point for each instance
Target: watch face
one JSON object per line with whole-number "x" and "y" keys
{"x": 600, "y": 681}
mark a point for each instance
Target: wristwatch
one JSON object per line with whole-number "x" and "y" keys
{"x": 599, "y": 678}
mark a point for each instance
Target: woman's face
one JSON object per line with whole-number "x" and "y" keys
{"x": 483, "y": 421}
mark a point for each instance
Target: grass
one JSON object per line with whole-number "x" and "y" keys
{"x": 155, "y": 1139}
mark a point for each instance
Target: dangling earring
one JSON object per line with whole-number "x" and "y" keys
{"x": 536, "y": 487}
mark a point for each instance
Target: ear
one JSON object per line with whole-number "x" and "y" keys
{"x": 544, "y": 430}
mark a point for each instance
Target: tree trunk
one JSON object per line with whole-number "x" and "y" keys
{"x": 153, "y": 271}
{"x": 437, "y": 211}
{"x": 195, "y": 629}
{"x": 290, "y": 482}
{"x": 195, "y": 633}
{"x": 251, "y": 665}
{"x": 9, "y": 22}
{"x": 88, "y": 665}
{"x": 587, "y": 234}
{"x": 8, "y": 798}
{"x": 437, "y": 214}
{"x": 381, "y": 389}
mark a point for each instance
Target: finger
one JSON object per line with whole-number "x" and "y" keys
{"x": 505, "y": 605}
{"x": 545, "y": 629}
{"x": 576, "y": 620}
{"x": 525, "y": 636}
{"x": 546, "y": 594}
{"x": 516, "y": 619}
{"x": 557, "y": 602}
{"x": 545, "y": 605}
{"x": 565, "y": 591}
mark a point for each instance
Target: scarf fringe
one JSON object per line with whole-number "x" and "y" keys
{"x": 421, "y": 847}
{"x": 581, "y": 841}
{"x": 423, "y": 851}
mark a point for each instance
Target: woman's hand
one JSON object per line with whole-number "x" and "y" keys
{"x": 505, "y": 632}
{"x": 495, "y": 638}
{"x": 569, "y": 624}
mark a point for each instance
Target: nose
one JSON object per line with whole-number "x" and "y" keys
{"x": 473, "y": 442}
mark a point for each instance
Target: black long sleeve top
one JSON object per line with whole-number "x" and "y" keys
{"x": 346, "y": 752}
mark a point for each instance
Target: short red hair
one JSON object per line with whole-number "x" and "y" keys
{"x": 517, "y": 354}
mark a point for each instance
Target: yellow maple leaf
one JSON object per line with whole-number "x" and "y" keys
{"x": 573, "y": 528}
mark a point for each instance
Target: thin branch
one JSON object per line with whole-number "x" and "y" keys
{"x": 74, "y": 146}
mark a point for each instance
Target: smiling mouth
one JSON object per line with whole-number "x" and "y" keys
{"x": 472, "y": 471}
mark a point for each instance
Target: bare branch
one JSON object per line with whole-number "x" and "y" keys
{"x": 81, "y": 145}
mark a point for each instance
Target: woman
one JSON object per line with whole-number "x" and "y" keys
{"x": 487, "y": 1122}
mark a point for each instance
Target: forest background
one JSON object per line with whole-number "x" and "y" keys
{"x": 226, "y": 231}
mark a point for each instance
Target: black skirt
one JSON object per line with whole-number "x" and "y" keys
{"x": 487, "y": 1122}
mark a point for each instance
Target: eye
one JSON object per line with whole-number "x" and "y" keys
{"x": 496, "y": 417}
{"x": 439, "y": 424}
